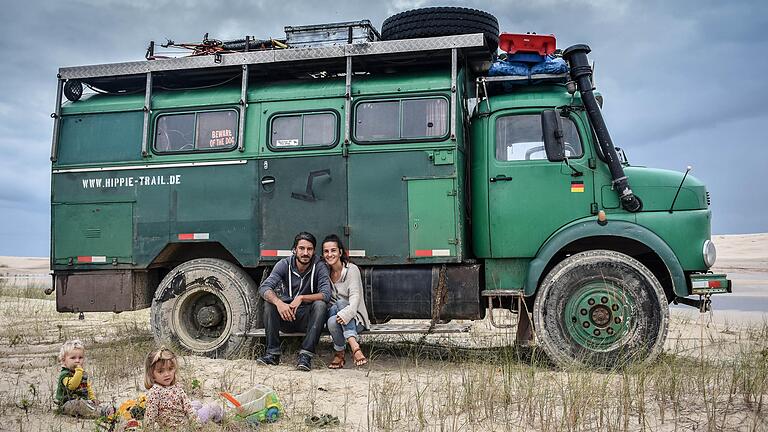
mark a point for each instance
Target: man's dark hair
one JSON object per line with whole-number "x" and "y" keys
{"x": 304, "y": 236}
{"x": 333, "y": 238}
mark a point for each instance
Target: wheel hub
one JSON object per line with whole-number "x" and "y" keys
{"x": 209, "y": 316}
{"x": 202, "y": 319}
{"x": 596, "y": 315}
{"x": 600, "y": 315}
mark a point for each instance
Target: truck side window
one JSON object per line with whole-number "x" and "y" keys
{"x": 424, "y": 118}
{"x": 378, "y": 121}
{"x": 303, "y": 130}
{"x": 421, "y": 118}
{"x": 216, "y": 129}
{"x": 519, "y": 137}
{"x": 175, "y": 133}
{"x": 196, "y": 131}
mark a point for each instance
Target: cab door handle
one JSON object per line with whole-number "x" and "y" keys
{"x": 500, "y": 177}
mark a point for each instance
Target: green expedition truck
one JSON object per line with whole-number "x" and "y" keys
{"x": 179, "y": 182}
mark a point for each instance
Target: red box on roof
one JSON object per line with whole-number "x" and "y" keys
{"x": 529, "y": 43}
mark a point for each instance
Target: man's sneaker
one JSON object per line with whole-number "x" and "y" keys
{"x": 304, "y": 362}
{"x": 269, "y": 359}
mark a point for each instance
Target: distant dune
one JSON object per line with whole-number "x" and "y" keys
{"x": 741, "y": 252}
{"x": 24, "y": 265}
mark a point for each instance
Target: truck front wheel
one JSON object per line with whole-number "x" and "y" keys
{"x": 601, "y": 309}
{"x": 205, "y": 306}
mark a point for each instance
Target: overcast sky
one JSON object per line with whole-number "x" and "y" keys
{"x": 684, "y": 81}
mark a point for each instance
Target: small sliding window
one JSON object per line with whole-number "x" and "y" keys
{"x": 202, "y": 131}
{"x": 303, "y": 130}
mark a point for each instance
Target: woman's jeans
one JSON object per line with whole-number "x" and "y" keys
{"x": 340, "y": 332}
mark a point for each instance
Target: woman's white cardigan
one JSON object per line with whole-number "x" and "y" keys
{"x": 350, "y": 288}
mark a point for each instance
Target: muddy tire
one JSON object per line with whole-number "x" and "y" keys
{"x": 441, "y": 21}
{"x": 204, "y": 306}
{"x": 601, "y": 309}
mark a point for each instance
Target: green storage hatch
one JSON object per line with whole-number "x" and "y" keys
{"x": 431, "y": 218}
{"x": 93, "y": 233}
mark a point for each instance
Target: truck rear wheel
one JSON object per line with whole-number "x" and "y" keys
{"x": 205, "y": 306}
{"x": 441, "y": 21}
{"x": 601, "y": 309}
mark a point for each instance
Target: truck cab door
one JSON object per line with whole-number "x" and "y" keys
{"x": 302, "y": 178}
{"x": 529, "y": 197}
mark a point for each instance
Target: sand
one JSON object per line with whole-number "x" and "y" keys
{"x": 32, "y": 331}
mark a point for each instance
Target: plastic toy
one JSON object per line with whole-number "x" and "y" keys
{"x": 259, "y": 403}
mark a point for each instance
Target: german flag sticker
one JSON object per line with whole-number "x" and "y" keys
{"x": 577, "y": 186}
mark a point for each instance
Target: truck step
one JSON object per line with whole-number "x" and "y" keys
{"x": 390, "y": 328}
{"x": 501, "y": 292}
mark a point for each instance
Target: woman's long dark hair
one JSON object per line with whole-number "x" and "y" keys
{"x": 333, "y": 238}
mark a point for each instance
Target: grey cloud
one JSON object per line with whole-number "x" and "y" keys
{"x": 681, "y": 79}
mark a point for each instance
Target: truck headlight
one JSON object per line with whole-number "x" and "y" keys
{"x": 710, "y": 253}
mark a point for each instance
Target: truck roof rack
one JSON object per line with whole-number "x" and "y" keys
{"x": 290, "y": 62}
{"x": 218, "y": 69}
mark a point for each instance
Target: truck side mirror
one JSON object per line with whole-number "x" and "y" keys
{"x": 554, "y": 144}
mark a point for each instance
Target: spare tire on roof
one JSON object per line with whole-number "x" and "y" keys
{"x": 441, "y": 21}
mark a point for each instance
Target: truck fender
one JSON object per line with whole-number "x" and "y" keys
{"x": 617, "y": 228}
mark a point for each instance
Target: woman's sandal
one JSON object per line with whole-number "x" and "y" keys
{"x": 338, "y": 361}
{"x": 359, "y": 357}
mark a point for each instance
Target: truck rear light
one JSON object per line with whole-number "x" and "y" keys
{"x": 194, "y": 236}
{"x": 432, "y": 252}
{"x": 91, "y": 259}
{"x": 709, "y": 200}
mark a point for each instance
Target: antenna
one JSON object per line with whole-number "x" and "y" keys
{"x": 679, "y": 187}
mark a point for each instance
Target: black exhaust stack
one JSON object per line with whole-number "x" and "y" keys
{"x": 581, "y": 72}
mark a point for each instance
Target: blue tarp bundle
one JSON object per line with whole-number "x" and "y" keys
{"x": 550, "y": 65}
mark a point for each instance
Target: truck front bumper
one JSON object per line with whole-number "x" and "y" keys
{"x": 709, "y": 283}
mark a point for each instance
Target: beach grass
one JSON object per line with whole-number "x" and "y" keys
{"x": 712, "y": 379}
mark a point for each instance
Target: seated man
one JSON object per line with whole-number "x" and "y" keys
{"x": 295, "y": 295}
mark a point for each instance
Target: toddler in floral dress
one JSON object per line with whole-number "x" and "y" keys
{"x": 168, "y": 406}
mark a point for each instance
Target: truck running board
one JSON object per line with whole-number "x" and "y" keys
{"x": 389, "y": 328}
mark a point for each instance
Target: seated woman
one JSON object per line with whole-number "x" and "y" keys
{"x": 347, "y": 315}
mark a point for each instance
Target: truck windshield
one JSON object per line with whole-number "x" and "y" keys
{"x": 519, "y": 137}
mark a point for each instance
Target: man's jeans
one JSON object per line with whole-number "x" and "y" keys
{"x": 340, "y": 332}
{"x": 310, "y": 318}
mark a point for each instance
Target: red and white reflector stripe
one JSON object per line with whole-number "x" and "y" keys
{"x": 194, "y": 236}
{"x": 91, "y": 259}
{"x": 356, "y": 253}
{"x": 706, "y": 284}
{"x": 275, "y": 253}
{"x": 433, "y": 252}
